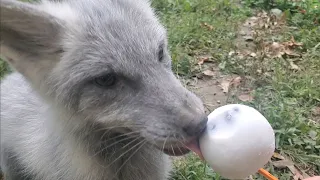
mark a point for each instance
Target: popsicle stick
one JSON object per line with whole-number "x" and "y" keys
{"x": 266, "y": 174}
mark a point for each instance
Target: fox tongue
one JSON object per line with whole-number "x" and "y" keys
{"x": 194, "y": 146}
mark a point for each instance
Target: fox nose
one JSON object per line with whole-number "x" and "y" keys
{"x": 196, "y": 127}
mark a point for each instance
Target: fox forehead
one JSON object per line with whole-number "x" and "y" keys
{"x": 130, "y": 22}
{"x": 108, "y": 34}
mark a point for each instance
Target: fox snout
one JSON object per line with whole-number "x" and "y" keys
{"x": 196, "y": 127}
{"x": 172, "y": 115}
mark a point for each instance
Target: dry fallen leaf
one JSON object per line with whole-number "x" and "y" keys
{"x": 275, "y": 46}
{"x": 285, "y": 163}
{"x": 291, "y": 53}
{"x": 231, "y": 53}
{"x": 282, "y": 163}
{"x": 206, "y": 25}
{"x": 292, "y": 42}
{"x": 208, "y": 73}
{"x": 246, "y": 97}
{"x": 259, "y": 71}
{"x": 253, "y": 54}
{"x": 250, "y": 22}
{"x": 253, "y": 19}
{"x": 294, "y": 66}
{"x": 225, "y": 85}
{"x": 236, "y": 81}
{"x": 201, "y": 60}
{"x": 278, "y": 156}
{"x": 279, "y": 49}
{"x": 316, "y": 111}
{"x": 276, "y": 49}
{"x": 295, "y": 172}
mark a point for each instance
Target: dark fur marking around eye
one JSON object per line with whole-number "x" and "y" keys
{"x": 106, "y": 81}
{"x": 161, "y": 53}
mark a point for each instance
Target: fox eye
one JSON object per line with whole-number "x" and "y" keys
{"x": 106, "y": 81}
{"x": 160, "y": 53}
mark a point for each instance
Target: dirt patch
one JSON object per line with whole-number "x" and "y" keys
{"x": 209, "y": 88}
{"x": 210, "y": 92}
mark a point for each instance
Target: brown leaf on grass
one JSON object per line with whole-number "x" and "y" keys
{"x": 208, "y": 26}
{"x": 292, "y": 42}
{"x": 246, "y": 97}
{"x": 289, "y": 52}
{"x": 282, "y": 163}
{"x": 259, "y": 71}
{"x": 201, "y": 60}
{"x": 225, "y": 85}
{"x": 208, "y": 73}
{"x": 231, "y": 53}
{"x": 278, "y": 156}
{"x": 236, "y": 81}
{"x": 279, "y": 49}
{"x": 285, "y": 163}
{"x": 293, "y": 66}
{"x": 275, "y": 49}
{"x": 276, "y": 46}
{"x": 263, "y": 14}
{"x": 253, "y": 54}
{"x": 250, "y": 22}
{"x": 296, "y": 173}
{"x": 316, "y": 111}
{"x": 204, "y": 58}
{"x": 228, "y": 82}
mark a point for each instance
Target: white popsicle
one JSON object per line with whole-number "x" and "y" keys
{"x": 238, "y": 141}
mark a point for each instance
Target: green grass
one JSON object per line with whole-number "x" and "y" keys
{"x": 188, "y": 39}
{"x": 191, "y": 167}
{"x": 4, "y": 68}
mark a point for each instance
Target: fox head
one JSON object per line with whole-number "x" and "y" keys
{"x": 108, "y": 61}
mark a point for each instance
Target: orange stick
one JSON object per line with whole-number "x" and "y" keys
{"x": 266, "y": 174}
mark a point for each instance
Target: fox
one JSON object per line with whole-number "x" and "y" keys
{"x": 92, "y": 94}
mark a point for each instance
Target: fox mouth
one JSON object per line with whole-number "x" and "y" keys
{"x": 176, "y": 151}
{"x": 183, "y": 150}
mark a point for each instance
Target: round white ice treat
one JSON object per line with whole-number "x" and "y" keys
{"x": 237, "y": 142}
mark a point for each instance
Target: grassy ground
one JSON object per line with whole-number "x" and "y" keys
{"x": 282, "y": 80}
{"x": 284, "y": 85}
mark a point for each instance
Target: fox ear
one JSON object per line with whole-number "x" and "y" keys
{"x": 26, "y": 30}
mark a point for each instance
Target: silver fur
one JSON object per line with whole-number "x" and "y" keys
{"x": 56, "y": 124}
